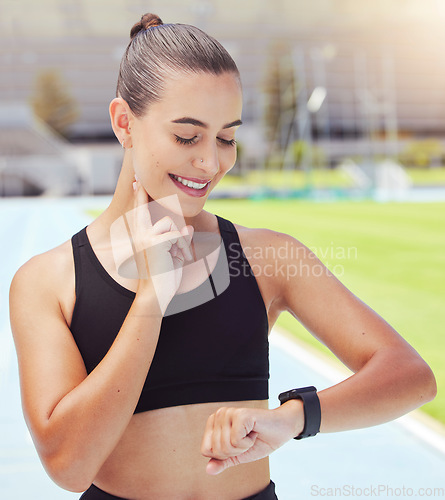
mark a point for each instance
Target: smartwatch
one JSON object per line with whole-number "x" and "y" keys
{"x": 311, "y": 407}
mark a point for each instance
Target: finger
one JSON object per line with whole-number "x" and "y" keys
{"x": 164, "y": 225}
{"x": 242, "y": 435}
{"x": 177, "y": 257}
{"x": 141, "y": 194}
{"x": 215, "y": 466}
{"x": 216, "y": 438}
{"x": 187, "y": 232}
{"x": 225, "y": 443}
{"x": 136, "y": 179}
{"x": 182, "y": 238}
{"x": 170, "y": 238}
{"x": 221, "y": 438}
{"x": 142, "y": 218}
{"x": 175, "y": 250}
{"x": 206, "y": 444}
{"x": 178, "y": 262}
{"x": 186, "y": 255}
{"x": 185, "y": 242}
{"x": 183, "y": 246}
{"x": 230, "y": 431}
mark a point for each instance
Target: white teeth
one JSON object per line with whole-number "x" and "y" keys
{"x": 194, "y": 185}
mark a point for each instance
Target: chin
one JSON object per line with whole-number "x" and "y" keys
{"x": 192, "y": 209}
{"x": 176, "y": 207}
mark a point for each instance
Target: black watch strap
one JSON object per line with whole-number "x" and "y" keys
{"x": 311, "y": 406}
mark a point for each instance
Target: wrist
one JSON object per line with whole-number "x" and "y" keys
{"x": 311, "y": 409}
{"x": 146, "y": 302}
{"x": 293, "y": 412}
{"x": 155, "y": 290}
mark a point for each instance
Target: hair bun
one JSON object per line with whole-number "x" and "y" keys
{"x": 147, "y": 21}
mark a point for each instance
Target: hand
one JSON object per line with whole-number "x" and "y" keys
{"x": 153, "y": 253}
{"x": 239, "y": 435}
{"x": 161, "y": 249}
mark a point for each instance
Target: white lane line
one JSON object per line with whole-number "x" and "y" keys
{"x": 422, "y": 426}
{"x": 308, "y": 356}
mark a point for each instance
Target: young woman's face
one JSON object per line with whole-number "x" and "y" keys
{"x": 188, "y": 137}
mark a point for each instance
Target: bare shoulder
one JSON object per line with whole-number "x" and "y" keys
{"x": 48, "y": 276}
{"x": 274, "y": 257}
{"x": 45, "y": 267}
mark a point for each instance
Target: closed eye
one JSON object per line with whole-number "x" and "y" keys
{"x": 185, "y": 142}
{"x": 232, "y": 142}
{"x": 189, "y": 142}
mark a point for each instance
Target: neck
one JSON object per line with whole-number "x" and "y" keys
{"x": 123, "y": 198}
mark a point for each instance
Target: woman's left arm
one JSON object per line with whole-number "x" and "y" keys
{"x": 389, "y": 380}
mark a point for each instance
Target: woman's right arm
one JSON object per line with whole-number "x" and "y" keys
{"x": 76, "y": 420}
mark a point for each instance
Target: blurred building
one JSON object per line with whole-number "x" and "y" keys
{"x": 379, "y": 66}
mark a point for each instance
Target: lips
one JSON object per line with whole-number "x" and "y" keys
{"x": 191, "y": 186}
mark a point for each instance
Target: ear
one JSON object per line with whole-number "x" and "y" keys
{"x": 121, "y": 121}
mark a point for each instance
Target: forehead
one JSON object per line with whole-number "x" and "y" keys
{"x": 214, "y": 99}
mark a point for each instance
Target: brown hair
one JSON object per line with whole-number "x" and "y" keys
{"x": 157, "y": 51}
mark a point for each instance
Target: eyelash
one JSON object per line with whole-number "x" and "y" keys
{"x": 189, "y": 142}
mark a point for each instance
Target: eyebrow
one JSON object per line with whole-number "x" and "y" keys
{"x": 192, "y": 121}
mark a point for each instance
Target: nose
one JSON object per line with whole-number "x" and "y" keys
{"x": 208, "y": 162}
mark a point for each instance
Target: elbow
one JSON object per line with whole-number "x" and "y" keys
{"x": 64, "y": 462}
{"x": 67, "y": 472}
{"x": 429, "y": 384}
{"x": 423, "y": 382}
{"x": 67, "y": 460}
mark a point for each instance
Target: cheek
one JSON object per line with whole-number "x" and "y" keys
{"x": 149, "y": 161}
{"x": 228, "y": 160}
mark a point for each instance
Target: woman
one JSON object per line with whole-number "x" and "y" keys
{"x": 111, "y": 416}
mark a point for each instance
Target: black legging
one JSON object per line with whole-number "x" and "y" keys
{"x": 95, "y": 493}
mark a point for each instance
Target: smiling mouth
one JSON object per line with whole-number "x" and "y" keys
{"x": 191, "y": 184}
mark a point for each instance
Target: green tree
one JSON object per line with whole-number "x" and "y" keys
{"x": 280, "y": 89}
{"x": 302, "y": 148}
{"x": 423, "y": 153}
{"x": 52, "y": 102}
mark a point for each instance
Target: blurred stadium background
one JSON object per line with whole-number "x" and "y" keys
{"x": 342, "y": 98}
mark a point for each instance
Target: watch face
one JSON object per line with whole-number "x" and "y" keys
{"x": 301, "y": 390}
{"x": 294, "y": 393}
{"x": 311, "y": 388}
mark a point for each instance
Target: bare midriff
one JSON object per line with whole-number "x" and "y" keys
{"x": 159, "y": 457}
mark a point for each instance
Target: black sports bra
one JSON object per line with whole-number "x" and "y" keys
{"x": 215, "y": 351}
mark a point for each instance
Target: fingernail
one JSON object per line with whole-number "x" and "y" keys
{"x": 135, "y": 186}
